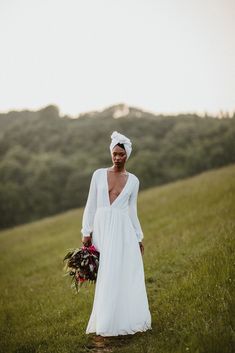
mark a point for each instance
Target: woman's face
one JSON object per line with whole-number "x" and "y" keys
{"x": 119, "y": 156}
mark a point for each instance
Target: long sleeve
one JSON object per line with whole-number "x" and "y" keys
{"x": 90, "y": 208}
{"x": 133, "y": 212}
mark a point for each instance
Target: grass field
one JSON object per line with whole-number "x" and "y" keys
{"x": 189, "y": 261}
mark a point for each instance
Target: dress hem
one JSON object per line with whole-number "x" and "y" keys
{"x": 121, "y": 333}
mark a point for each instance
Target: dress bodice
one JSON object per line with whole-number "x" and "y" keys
{"x": 98, "y": 197}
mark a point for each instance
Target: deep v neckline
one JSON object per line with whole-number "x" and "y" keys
{"x": 107, "y": 187}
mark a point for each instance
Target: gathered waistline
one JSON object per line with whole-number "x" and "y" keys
{"x": 111, "y": 209}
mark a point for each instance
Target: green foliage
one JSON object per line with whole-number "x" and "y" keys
{"x": 49, "y": 159}
{"x": 189, "y": 271}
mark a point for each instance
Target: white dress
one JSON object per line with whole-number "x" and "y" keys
{"x": 120, "y": 304}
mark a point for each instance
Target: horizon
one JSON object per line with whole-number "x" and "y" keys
{"x": 220, "y": 114}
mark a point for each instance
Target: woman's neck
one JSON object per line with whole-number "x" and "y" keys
{"x": 117, "y": 169}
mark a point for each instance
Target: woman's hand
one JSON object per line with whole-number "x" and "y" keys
{"x": 141, "y": 247}
{"x": 86, "y": 240}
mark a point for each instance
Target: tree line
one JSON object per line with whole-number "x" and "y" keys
{"x": 46, "y": 160}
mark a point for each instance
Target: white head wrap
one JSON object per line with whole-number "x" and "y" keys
{"x": 119, "y": 138}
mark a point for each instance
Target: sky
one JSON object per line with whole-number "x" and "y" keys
{"x": 163, "y": 56}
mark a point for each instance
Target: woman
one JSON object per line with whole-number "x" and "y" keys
{"x": 111, "y": 223}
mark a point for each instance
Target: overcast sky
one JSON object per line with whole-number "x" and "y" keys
{"x": 165, "y": 56}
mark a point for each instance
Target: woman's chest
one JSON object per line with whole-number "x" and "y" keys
{"x": 116, "y": 183}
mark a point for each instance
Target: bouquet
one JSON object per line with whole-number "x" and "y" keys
{"x": 82, "y": 265}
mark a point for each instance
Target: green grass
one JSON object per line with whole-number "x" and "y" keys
{"x": 189, "y": 238}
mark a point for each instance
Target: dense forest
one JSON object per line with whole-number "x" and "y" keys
{"x": 46, "y": 160}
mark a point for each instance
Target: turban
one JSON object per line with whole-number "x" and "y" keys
{"x": 119, "y": 138}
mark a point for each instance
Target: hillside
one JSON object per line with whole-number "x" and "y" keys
{"x": 189, "y": 231}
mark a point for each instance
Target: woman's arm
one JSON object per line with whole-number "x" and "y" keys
{"x": 133, "y": 212}
{"x": 90, "y": 209}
